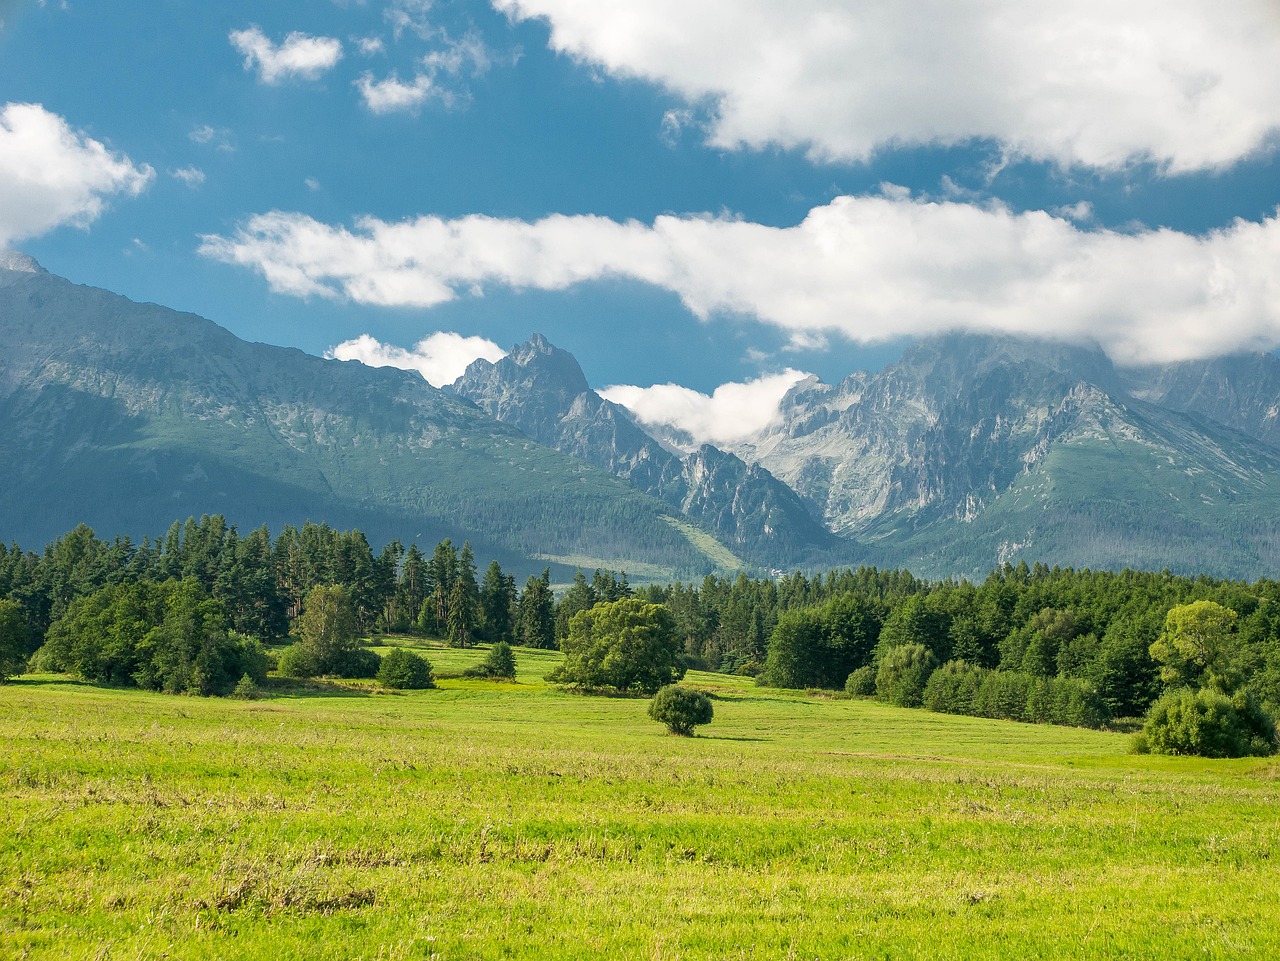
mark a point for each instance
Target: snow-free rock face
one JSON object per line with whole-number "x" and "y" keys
{"x": 973, "y": 450}
{"x": 541, "y": 390}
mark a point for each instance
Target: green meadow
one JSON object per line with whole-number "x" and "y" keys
{"x": 491, "y": 820}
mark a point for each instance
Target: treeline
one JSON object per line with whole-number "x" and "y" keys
{"x": 1032, "y": 643}
{"x": 1028, "y": 643}
{"x": 99, "y": 601}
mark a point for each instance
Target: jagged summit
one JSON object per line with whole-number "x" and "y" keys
{"x": 17, "y": 262}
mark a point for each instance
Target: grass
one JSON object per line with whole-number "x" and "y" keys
{"x": 496, "y": 820}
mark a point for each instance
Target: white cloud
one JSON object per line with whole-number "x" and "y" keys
{"x": 732, "y": 413}
{"x": 311, "y": 183}
{"x": 1187, "y": 84}
{"x": 370, "y": 46}
{"x": 192, "y": 176}
{"x": 411, "y": 16}
{"x": 393, "y": 94}
{"x": 299, "y": 55}
{"x": 868, "y": 268}
{"x": 51, "y": 174}
{"x": 439, "y": 68}
{"x": 440, "y": 358}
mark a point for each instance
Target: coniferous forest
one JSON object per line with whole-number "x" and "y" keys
{"x": 198, "y": 610}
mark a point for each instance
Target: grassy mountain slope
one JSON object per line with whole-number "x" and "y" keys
{"x": 127, "y": 416}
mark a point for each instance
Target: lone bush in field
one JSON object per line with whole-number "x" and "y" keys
{"x": 681, "y": 709}
{"x": 903, "y": 673}
{"x": 405, "y": 670}
{"x": 499, "y": 665}
{"x": 1210, "y": 724}
{"x": 629, "y": 646}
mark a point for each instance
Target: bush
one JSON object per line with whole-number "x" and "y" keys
{"x": 903, "y": 673}
{"x": 405, "y": 670}
{"x": 1210, "y": 724}
{"x": 953, "y": 688}
{"x": 500, "y": 664}
{"x": 861, "y": 683}
{"x": 681, "y": 709}
{"x": 247, "y": 689}
{"x": 298, "y": 660}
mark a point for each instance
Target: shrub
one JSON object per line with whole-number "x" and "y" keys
{"x": 903, "y": 673}
{"x": 861, "y": 683}
{"x": 500, "y": 664}
{"x": 681, "y": 709}
{"x": 405, "y": 670}
{"x": 953, "y": 688}
{"x": 298, "y": 660}
{"x": 1210, "y": 724}
{"x": 247, "y": 689}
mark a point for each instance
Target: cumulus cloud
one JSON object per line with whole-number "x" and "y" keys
{"x": 299, "y": 55}
{"x": 392, "y": 94}
{"x": 440, "y": 358}
{"x": 732, "y": 413}
{"x": 869, "y": 268}
{"x": 1186, "y": 84}
{"x": 51, "y": 174}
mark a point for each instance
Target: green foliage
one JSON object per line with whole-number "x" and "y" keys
{"x": 1194, "y": 648}
{"x": 535, "y": 613}
{"x": 499, "y": 664}
{"x": 15, "y": 635}
{"x": 403, "y": 669}
{"x": 821, "y": 646}
{"x": 1208, "y": 723}
{"x": 247, "y": 689}
{"x": 681, "y": 709}
{"x": 167, "y": 637}
{"x": 628, "y": 646}
{"x": 953, "y": 688}
{"x": 299, "y": 660}
{"x": 903, "y": 673}
{"x": 862, "y": 682}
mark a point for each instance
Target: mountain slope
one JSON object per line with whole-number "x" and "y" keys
{"x": 971, "y": 451}
{"x": 541, "y": 390}
{"x": 127, "y": 416}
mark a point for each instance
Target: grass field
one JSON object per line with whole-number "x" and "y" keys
{"x": 514, "y": 820}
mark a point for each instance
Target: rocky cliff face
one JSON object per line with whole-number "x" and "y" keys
{"x": 541, "y": 390}
{"x": 974, "y": 450}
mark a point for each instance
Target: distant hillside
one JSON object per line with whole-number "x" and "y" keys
{"x": 125, "y": 416}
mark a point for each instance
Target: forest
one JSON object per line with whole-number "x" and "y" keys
{"x": 1028, "y": 643}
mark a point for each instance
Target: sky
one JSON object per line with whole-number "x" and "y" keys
{"x": 703, "y": 200}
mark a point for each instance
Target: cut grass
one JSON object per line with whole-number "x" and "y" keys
{"x": 514, "y": 820}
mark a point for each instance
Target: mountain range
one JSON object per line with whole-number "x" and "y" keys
{"x": 968, "y": 452}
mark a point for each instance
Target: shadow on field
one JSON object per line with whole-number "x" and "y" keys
{"x": 291, "y": 687}
{"x": 42, "y": 680}
{"x": 731, "y": 737}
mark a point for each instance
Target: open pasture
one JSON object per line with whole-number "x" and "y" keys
{"x": 515, "y": 820}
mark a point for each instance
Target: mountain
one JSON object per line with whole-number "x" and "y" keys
{"x": 542, "y": 390}
{"x": 128, "y": 416}
{"x": 972, "y": 450}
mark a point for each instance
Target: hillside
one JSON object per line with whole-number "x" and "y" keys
{"x": 126, "y": 416}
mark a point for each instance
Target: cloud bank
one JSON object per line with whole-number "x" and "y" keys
{"x": 52, "y": 175}
{"x": 1186, "y": 84}
{"x": 868, "y": 268}
{"x": 732, "y": 413}
{"x": 440, "y": 358}
{"x": 299, "y": 55}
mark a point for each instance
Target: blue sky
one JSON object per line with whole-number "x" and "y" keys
{"x": 691, "y": 192}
